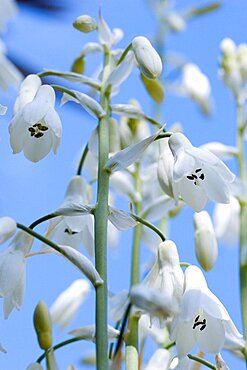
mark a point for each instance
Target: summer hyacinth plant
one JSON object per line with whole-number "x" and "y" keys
{"x": 157, "y": 172}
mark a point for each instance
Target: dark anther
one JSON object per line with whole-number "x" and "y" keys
{"x": 43, "y": 128}
{"x": 38, "y": 135}
{"x": 70, "y": 232}
{"x": 194, "y": 176}
{"x": 198, "y": 170}
{"x": 202, "y": 323}
{"x": 190, "y": 177}
{"x": 202, "y": 176}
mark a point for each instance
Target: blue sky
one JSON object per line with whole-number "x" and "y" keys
{"x": 30, "y": 190}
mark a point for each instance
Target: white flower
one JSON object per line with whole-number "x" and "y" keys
{"x": 68, "y": 302}
{"x": 7, "y": 228}
{"x": 36, "y": 127}
{"x": 166, "y": 274}
{"x": 8, "y": 10}
{"x": 9, "y": 74}
{"x": 202, "y": 320}
{"x": 147, "y": 57}
{"x": 160, "y": 360}
{"x": 196, "y": 85}
{"x": 206, "y": 244}
{"x": 13, "y": 272}
{"x": 198, "y": 175}
{"x": 75, "y": 230}
{"x": 227, "y": 221}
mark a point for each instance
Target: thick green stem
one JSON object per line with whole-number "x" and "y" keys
{"x": 101, "y": 218}
{"x": 132, "y": 338}
{"x": 243, "y": 217}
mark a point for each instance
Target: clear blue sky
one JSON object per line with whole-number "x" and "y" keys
{"x": 28, "y": 190}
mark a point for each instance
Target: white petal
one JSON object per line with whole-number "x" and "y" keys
{"x": 184, "y": 165}
{"x": 160, "y": 360}
{"x": 27, "y": 92}
{"x": 128, "y": 110}
{"x": 3, "y": 110}
{"x": 122, "y": 71}
{"x": 88, "y": 333}
{"x": 129, "y": 155}
{"x": 35, "y": 366}
{"x": 212, "y": 338}
{"x": 19, "y": 134}
{"x": 117, "y": 305}
{"x": 190, "y": 304}
{"x": 212, "y": 305}
{"x": 36, "y": 149}
{"x": 121, "y": 220}
{"x": 88, "y": 103}
{"x": 192, "y": 194}
{"x": 75, "y": 77}
{"x": 184, "y": 337}
{"x": 87, "y": 235}
{"x": 104, "y": 32}
{"x": 215, "y": 187}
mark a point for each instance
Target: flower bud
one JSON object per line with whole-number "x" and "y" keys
{"x": 79, "y": 65}
{"x": 206, "y": 244}
{"x": 43, "y": 325}
{"x": 147, "y": 57}
{"x": 85, "y": 23}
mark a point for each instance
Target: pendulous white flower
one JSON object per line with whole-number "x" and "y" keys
{"x": 202, "y": 319}
{"x": 7, "y": 228}
{"x": 198, "y": 175}
{"x": 227, "y": 221}
{"x": 68, "y": 302}
{"x": 206, "y": 243}
{"x": 75, "y": 230}
{"x": 147, "y": 57}
{"x": 9, "y": 74}
{"x": 196, "y": 85}
{"x": 36, "y": 127}
{"x": 13, "y": 271}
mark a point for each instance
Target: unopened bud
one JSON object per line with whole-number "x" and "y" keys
{"x": 85, "y": 23}
{"x": 206, "y": 244}
{"x": 79, "y": 65}
{"x": 147, "y": 57}
{"x": 43, "y": 325}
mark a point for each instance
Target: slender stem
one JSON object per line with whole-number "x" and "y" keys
{"x": 42, "y": 219}
{"x": 243, "y": 216}
{"x": 202, "y": 361}
{"x": 123, "y": 326}
{"x": 101, "y": 217}
{"x": 150, "y": 226}
{"x": 132, "y": 338}
{"x": 125, "y": 52}
{"x": 82, "y": 160}
{"x": 60, "y": 345}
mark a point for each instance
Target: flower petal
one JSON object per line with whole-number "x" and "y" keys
{"x": 212, "y": 338}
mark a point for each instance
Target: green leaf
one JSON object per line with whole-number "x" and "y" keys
{"x": 154, "y": 88}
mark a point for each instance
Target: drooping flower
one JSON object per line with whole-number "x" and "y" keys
{"x": 9, "y": 74}
{"x": 202, "y": 319}
{"x": 196, "y": 85}
{"x": 198, "y": 175}
{"x": 13, "y": 272}
{"x": 227, "y": 221}
{"x": 75, "y": 230}
{"x": 36, "y": 127}
{"x": 68, "y": 302}
{"x": 206, "y": 243}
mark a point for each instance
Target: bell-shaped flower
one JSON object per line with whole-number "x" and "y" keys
{"x": 36, "y": 127}
{"x": 160, "y": 360}
{"x": 13, "y": 272}
{"x": 202, "y": 319}
{"x": 227, "y": 221}
{"x": 75, "y": 230}
{"x": 166, "y": 275}
{"x": 65, "y": 307}
{"x": 198, "y": 175}
{"x": 147, "y": 57}
{"x": 206, "y": 243}
{"x": 7, "y": 228}
{"x": 9, "y": 74}
{"x": 196, "y": 85}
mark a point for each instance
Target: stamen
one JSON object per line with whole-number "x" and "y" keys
{"x": 70, "y": 232}
{"x": 36, "y": 130}
{"x": 194, "y": 176}
{"x": 38, "y": 135}
{"x": 202, "y": 176}
{"x": 190, "y": 177}
{"x": 202, "y": 323}
{"x": 198, "y": 170}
